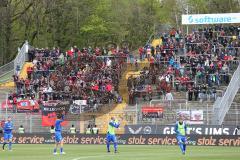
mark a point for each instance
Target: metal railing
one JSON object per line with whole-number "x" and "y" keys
{"x": 21, "y": 57}
{"x": 222, "y": 104}
{"x": 170, "y": 111}
{"x": 10, "y": 68}
{"x": 6, "y": 68}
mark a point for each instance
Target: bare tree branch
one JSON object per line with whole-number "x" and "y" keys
{"x": 17, "y": 15}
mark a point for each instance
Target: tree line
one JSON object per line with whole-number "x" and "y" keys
{"x": 65, "y": 23}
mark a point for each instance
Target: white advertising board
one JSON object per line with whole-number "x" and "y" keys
{"x": 211, "y": 18}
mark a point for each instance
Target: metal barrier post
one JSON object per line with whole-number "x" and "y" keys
{"x": 6, "y": 106}
{"x": 207, "y": 115}
{"x": 30, "y": 123}
{"x": 136, "y": 113}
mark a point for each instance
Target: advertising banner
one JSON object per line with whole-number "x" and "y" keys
{"x": 152, "y": 112}
{"x": 127, "y": 139}
{"x": 192, "y": 116}
{"x": 80, "y": 102}
{"x": 211, "y": 18}
{"x": 49, "y": 110}
{"x": 72, "y": 110}
{"x": 169, "y": 129}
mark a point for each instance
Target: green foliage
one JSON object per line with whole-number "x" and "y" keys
{"x": 64, "y": 23}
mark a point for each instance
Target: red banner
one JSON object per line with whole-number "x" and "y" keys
{"x": 27, "y": 105}
{"x": 49, "y": 120}
{"x": 49, "y": 110}
{"x": 7, "y": 105}
{"x": 152, "y": 112}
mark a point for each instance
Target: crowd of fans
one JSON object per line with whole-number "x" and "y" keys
{"x": 85, "y": 74}
{"x": 197, "y": 63}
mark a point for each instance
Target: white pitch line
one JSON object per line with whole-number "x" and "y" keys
{"x": 85, "y": 157}
{"x": 98, "y": 156}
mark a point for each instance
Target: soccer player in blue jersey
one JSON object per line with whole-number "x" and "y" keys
{"x": 58, "y": 134}
{"x": 111, "y": 137}
{"x": 7, "y": 129}
{"x": 181, "y": 129}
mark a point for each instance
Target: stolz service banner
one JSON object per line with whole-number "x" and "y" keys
{"x": 127, "y": 139}
{"x": 211, "y": 18}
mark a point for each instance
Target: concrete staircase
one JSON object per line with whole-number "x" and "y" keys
{"x": 131, "y": 70}
{"x": 119, "y": 111}
{"x": 23, "y": 73}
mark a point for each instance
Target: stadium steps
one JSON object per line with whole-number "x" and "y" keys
{"x": 131, "y": 70}
{"x": 23, "y": 73}
{"x": 156, "y": 42}
{"x": 119, "y": 111}
{"x": 8, "y": 84}
{"x": 6, "y": 79}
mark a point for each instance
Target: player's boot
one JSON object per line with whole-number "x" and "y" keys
{"x": 108, "y": 151}
{"x": 116, "y": 151}
{"x": 55, "y": 153}
{"x": 62, "y": 153}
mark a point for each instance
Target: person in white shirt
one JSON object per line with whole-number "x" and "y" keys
{"x": 169, "y": 98}
{"x": 49, "y": 90}
{"x": 109, "y": 62}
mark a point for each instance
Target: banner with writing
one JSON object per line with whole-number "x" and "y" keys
{"x": 127, "y": 139}
{"x": 191, "y": 129}
{"x": 152, "y": 112}
{"x": 50, "y": 110}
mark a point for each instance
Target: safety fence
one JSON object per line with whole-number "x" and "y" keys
{"x": 9, "y": 69}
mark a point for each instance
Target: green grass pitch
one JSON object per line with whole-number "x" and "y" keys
{"x": 126, "y": 152}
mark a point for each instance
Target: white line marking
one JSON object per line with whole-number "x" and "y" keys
{"x": 112, "y": 155}
{"x": 86, "y": 157}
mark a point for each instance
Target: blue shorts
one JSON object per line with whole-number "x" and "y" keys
{"x": 111, "y": 138}
{"x": 58, "y": 136}
{"x": 8, "y": 136}
{"x": 181, "y": 139}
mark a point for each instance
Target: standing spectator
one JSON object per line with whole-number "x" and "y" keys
{"x": 196, "y": 92}
{"x": 190, "y": 93}
{"x": 72, "y": 130}
{"x": 237, "y": 131}
{"x": 148, "y": 52}
{"x": 141, "y": 53}
{"x": 169, "y": 98}
{"x": 131, "y": 98}
{"x": 52, "y": 129}
{"x": 95, "y": 130}
{"x": 21, "y": 130}
{"x": 88, "y": 129}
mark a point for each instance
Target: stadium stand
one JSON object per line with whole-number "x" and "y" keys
{"x": 175, "y": 70}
